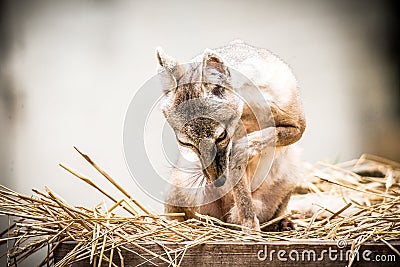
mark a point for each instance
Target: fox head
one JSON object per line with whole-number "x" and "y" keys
{"x": 202, "y": 109}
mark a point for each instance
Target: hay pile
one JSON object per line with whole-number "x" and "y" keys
{"x": 369, "y": 188}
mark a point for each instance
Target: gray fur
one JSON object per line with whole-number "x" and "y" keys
{"x": 204, "y": 100}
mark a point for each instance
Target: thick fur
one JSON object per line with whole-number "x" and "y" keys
{"x": 246, "y": 204}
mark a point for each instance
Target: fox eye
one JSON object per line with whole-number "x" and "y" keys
{"x": 221, "y": 137}
{"x": 184, "y": 144}
{"x": 217, "y": 91}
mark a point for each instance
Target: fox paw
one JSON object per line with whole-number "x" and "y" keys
{"x": 286, "y": 225}
{"x": 282, "y": 225}
{"x": 251, "y": 225}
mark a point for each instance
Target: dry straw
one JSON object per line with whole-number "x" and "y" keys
{"x": 367, "y": 186}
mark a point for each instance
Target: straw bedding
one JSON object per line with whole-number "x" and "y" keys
{"x": 367, "y": 190}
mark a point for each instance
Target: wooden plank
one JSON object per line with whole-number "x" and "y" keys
{"x": 275, "y": 253}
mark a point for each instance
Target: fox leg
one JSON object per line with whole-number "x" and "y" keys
{"x": 242, "y": 212}
{"x": 262, "y": 205}
{"x": 285, "y": 127}
{"x": 278, "y": 136}
{"x": 254, "y": 143}
{"x": 288, "y": 126}
{"x": 284, "y": 224}
{"x": 255, "y": 205}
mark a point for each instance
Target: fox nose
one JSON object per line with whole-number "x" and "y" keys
{"x": 220, "y": 181}
{"x": 207, "y": 151}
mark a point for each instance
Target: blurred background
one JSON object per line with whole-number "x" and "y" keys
{"x": 69, "y": 70}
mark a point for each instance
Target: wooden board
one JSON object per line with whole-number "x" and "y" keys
{"x": 275, "y": 253}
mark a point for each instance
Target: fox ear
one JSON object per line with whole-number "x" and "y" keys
{"x": 165, "y": 61}
{"x": 214, "y": 69}
{"x": 170, "y": 70}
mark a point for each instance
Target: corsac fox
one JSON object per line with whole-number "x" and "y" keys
{"x": 229, "y": 106}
